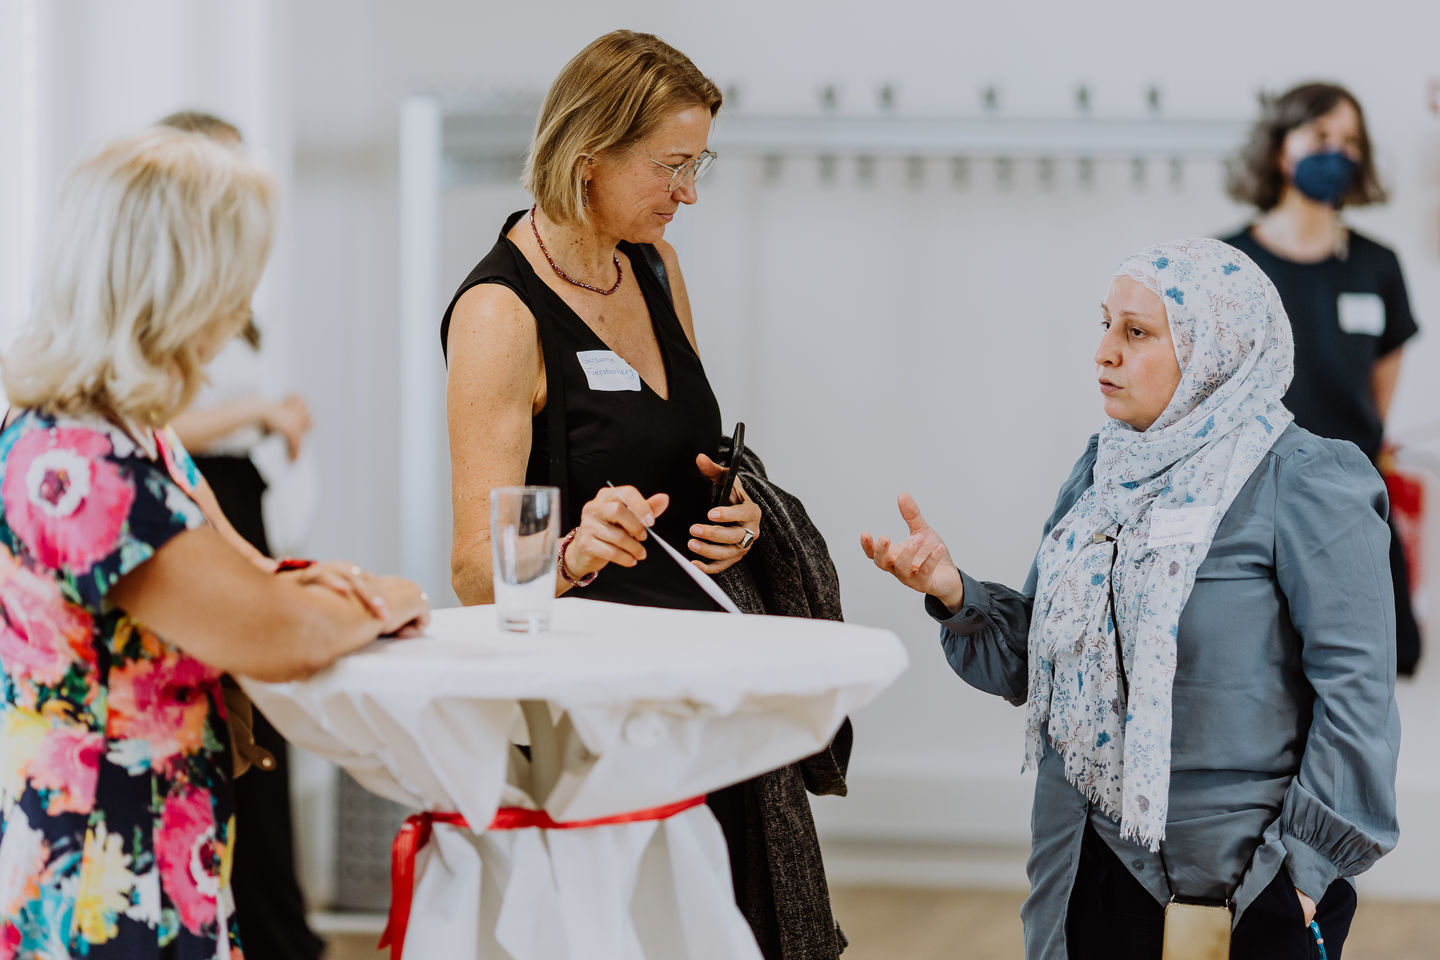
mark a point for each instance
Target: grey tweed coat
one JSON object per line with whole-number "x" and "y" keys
{"x": 774, "y": 853}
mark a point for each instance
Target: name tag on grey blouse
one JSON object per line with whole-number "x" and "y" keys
{"x": 605, "y": 370}
{"x": 1179, "y": 525}
{"x": 1362, "y": 313}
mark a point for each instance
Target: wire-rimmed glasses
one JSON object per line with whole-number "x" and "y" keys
{"x": 697, "y": 165}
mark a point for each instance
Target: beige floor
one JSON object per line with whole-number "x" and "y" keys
{"x": 887, "y": 923}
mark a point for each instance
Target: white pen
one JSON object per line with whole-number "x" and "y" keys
{"x": 701, "y": 578}
{"x": 628, "y": 507}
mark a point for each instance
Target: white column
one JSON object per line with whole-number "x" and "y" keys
{"x": 423, "y": 482}
{"x": 19, "y": 158}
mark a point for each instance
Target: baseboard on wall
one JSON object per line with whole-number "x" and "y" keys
{"x": 928, "y": 832}
{"x": 895, "y": 863}
{"x": 984, "y": 809}
{"x": 946, "y": 832}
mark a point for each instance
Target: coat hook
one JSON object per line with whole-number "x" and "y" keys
{"x": 773, "y": 166}
{"x": 828, "y": 168}
{"x": 865, "y": 169}
{"x": 1082, "y": 99}
{"x": 887, "y": 97}
{"x": 990, "y": 98}
{"x": 1177, "y": 173}
{"x": 960, "y": 171}
{"x": 915, "y": 171}
{"x": 1137, "y": 171}
{"x": 829, "y": 97}
{"x": 1046, "y": 169}
{"x": 1005, "y": 171}
{"x": 1152, "y": 98}
{"x": 1085, "y": 167}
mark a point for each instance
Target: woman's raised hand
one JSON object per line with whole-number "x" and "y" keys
{"x": 921, "y": 561}
{"x": 291, "y": 419}
{"x": 612, "y": 528}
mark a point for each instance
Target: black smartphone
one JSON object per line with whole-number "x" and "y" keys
{"x": 726, "y": 484}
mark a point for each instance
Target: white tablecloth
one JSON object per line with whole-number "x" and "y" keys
{"x": 628, "y": 708}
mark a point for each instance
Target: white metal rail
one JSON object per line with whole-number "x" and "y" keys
{"x": 446, "y": 146}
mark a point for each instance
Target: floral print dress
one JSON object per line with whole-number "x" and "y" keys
{"x": 117, "y": 826}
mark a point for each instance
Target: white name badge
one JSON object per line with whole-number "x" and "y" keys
{"x": 606, "y": 371}
{"x": 1362, "y": 313}
{"x": 1180, "y": 525}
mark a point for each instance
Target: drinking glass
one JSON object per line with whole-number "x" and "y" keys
{"x": 524, "y": 527}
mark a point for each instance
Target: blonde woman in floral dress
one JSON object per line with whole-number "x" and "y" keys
{"x": 125, "y": 594}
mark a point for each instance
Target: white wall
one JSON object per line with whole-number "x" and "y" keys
{"x": 76, "y": 72}
{"x": 19, "y": 156}
{"x": 881, "y": 336}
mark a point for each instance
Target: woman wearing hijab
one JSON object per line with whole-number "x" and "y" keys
{"x": 1205, "y": 643}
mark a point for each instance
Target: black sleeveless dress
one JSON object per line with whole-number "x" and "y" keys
{"x": 623, "y": 436}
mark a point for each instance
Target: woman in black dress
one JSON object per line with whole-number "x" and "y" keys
{"x": 566, "y": 305}
{"x": 1309, "y": 156}
{"x": 573, "y": 362}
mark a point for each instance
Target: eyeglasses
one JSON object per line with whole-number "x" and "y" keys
{"x": 698, "y": 165}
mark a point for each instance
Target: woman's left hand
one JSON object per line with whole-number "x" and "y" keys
{"x": 722, "y": 545}
{"x": 345, "y": 579}
{"x": 1307, "y": 906}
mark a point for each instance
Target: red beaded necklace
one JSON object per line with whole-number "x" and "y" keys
{"x": 619, "y": 274}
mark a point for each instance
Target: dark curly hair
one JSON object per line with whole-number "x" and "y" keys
{"x": 1254, "y": 176}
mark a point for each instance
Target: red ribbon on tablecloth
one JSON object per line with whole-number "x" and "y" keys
{"x": 415, "y": 832}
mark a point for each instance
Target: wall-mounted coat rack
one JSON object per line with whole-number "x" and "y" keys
{"x": 486, "y": 143}
{"x": 446, "y": 144}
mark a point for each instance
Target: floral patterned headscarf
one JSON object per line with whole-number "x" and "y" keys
{"x": 1158, "y": 496}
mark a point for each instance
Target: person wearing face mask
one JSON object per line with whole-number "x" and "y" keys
{"x": 1308, "y": 157}
{"x": 1203, "y": 646}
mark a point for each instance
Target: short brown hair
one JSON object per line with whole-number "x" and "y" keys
{"x": 222, "y": 131}
{"x": 205, "y": 124}
{"x": 1254, "y": 176}
{"x": 613, "y": 94}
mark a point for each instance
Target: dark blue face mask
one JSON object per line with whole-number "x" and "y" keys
{"x": 1324, "y": 177}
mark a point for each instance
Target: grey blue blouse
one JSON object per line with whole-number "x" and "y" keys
{"x": 1285, "y": 732}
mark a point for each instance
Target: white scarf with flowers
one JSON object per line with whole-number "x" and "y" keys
{"x": 1160, "y": 493}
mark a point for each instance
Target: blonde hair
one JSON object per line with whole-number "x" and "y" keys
{"x": 157, "y": 237}
{"x": 612, "y": 95}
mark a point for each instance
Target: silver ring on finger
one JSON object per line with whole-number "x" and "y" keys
{"x": 748, "y": 539}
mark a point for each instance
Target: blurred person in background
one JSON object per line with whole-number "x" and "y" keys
{"x": 573, "y": 362}
{"x": 1204, "y": 644}
{"x": 125, "y": 592}
{"x": 222, "y": 428}
{"x": 1309, "y": 156}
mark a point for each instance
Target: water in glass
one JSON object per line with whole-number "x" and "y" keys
{"x": 524, "y": 528}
